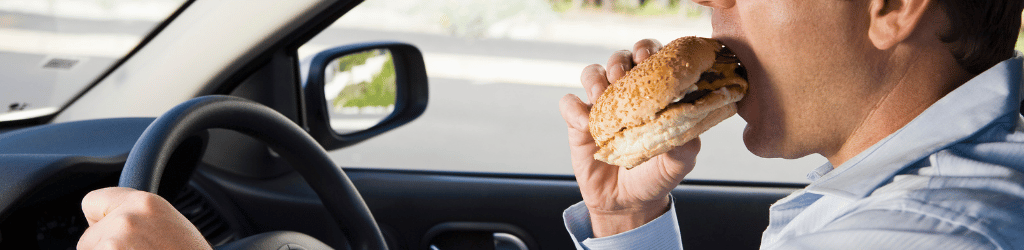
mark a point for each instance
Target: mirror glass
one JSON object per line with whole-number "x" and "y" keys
{"x": 360, "y": 90}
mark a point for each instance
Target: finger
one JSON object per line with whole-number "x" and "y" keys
{"x": 644, "y": 49}
{"x": 581, "y": 143}
{"x": 618, "y": 64}
{"x": 89, "y": 239}
{"x": 99, "y": 234}
{"x": 594, "y": 81}
{"x": 575, "y": 112}
{"x": 98, "y": 203}
{"x": 679, "y": 161}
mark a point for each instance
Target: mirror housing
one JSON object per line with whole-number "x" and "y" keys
{"x": 410, "y": 93}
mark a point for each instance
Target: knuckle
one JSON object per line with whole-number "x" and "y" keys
{"x": 650, "y": 45}
{"x": 82, "y": 245}
{"x": 644, "y": 43}
{"x": 128, "y": 222}
{"x": 111, "y": 244}
{"x": 621, "y": 54}
{"x": 592, "y": 73}
{"x": 146, "y": 202}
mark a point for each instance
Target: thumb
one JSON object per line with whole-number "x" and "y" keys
{"x": 98, "y": 203}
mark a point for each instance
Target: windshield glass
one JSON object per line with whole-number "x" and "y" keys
{"x": 52, "y": 50}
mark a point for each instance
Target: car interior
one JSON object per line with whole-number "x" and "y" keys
{"x": 242, "y": 154}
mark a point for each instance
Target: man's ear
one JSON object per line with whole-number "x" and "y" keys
{"x": 892, "y": 21}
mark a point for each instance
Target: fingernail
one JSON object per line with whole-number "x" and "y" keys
{"x": 594, "y": 92}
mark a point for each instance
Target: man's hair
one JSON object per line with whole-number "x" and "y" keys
{"x": 982, "y": 32}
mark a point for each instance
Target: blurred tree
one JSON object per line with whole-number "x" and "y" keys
{"x": 630, "y": 4}
{"x": 626, "y": 5}
{"x": 663, "y": 4}
{"x": 1020, "y": 37}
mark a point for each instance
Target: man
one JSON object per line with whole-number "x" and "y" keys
{"x": 913, "y": 102}
{"x": 926, "y": 148}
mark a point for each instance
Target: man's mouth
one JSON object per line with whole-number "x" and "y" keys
{"x": 726, "y": 65}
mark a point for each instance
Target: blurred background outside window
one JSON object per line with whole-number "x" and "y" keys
{"x": 497, "y": 69}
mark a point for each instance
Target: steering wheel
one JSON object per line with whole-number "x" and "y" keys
{"x": 149, "y": 157}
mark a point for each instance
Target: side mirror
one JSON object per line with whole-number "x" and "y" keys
{"x": 356, "y": 92}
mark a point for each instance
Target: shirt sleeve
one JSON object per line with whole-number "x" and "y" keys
{"x": 660, "y": 233}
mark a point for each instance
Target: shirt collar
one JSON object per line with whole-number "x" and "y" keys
{"x": 991, "y": 95}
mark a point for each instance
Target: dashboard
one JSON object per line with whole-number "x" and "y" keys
{"x": 239, "y": 188}
{"x": 45, "y": 171}
{"x": 58, "y": 222}
{"x": 54, "y": 223}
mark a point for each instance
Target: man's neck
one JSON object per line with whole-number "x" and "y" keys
{"x": 915, "y": 85}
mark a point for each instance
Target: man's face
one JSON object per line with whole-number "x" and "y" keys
{"x": 809, "y": 71}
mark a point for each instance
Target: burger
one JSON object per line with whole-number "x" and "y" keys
{"x": 667, "y": 100}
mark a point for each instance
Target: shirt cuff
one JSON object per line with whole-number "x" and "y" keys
{"x": 660, "y": 233}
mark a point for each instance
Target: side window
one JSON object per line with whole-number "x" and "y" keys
{"x": 497, "y": 69}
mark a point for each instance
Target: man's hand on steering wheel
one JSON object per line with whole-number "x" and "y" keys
{"x": 125, "y": 218}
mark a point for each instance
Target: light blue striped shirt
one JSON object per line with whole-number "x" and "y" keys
{"x": 953, "y": 178}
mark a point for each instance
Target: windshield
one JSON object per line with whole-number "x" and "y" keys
{"x": 53, "y": 50}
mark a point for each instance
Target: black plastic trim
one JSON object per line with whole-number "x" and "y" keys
{"x": 490, "y": 227}
{"x": 290, "y": 42}
{"x": 566, "y": 177}
{"x": 711, "y": 217}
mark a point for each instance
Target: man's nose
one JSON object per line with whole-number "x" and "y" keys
{"x": 717, "y": 4}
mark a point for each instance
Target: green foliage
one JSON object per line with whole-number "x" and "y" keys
{"x": 492, "y": 18}
{"x": 648, "y": 8}
{"x": 346, "y": 62}
{"x": 695, "y": 11}
{"x": 378, "y": 92}
{"x": 561, "y": 6}
{"x": 683, "y": 7}
{"x": 1020, "y": 42}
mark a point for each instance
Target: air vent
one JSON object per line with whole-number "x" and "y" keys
{"x": 60, "y": 63}
{"x": 198, "y": 210}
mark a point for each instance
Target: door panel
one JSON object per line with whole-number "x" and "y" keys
{"x": 409, "y": 203}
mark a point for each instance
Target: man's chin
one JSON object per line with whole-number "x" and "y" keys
{"x": 762, "y": 144}
{"x": 753, "y": 143}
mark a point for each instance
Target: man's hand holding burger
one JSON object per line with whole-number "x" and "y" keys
{"x": 619, "y": 199}
{"x": 640, "y": 137}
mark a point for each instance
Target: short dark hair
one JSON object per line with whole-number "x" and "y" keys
{"x": 982, "y": 32}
